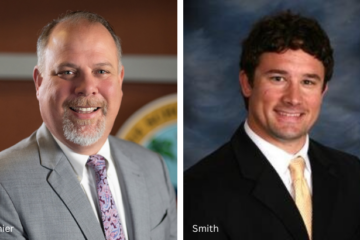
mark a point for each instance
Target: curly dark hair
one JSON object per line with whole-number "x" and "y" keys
{"x": 284, "y": 31}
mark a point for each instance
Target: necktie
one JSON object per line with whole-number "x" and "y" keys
{"x": 302, "y": 196}
{"x": 110, "y": 217}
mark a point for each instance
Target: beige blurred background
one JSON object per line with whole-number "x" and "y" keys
{"x": 148, "y": 32}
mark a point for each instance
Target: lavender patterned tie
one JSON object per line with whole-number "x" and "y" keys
{"x": 110, "y": 217}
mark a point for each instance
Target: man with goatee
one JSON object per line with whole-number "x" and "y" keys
{"x": 70, "y": 179}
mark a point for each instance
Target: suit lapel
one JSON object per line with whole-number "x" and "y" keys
{"x": 325, "y": 187}
{"x": 269, "y": 188}
{"x": 64, "y": 182}
{"x": 272, "y": 193}
{"x": 134, "y": 192}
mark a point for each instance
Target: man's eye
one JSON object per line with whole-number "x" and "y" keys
{"x": 277, "y": 78}
{"x": 308, "y": 82}
{"x": 66, "y": 73}
{"x": 102, "y": 71}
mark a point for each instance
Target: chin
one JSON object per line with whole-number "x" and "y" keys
{"x": 290, "y": 135}
{"x": 83, "y": 135}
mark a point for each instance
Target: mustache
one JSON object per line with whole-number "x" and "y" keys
{"x": 86, "y": 102}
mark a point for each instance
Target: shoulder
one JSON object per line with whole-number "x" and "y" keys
{"x": 331, "y": 153}
{"x": 20, "y": 158}
{"x": 214, "y": 170}
{"x": 212, "y": 161}
{"x": 227, "y": 161}
{"x": 344, "y": 162}
{"x": 15, "y": 155}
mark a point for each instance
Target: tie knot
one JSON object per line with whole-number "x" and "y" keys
{"x": 98, "y": 163}
{"x": 297, "y": 167}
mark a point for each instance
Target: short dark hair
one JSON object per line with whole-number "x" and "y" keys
{"x": 73, "y": 17}
{"x": 281, "y": 32}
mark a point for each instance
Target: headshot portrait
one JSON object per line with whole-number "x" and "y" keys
{"x": 271, "y": 140}
{"x": 73, "y": 177}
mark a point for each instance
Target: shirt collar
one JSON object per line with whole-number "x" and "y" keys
{"x": 278, "y": 158}
{"x": 78, "y": 161}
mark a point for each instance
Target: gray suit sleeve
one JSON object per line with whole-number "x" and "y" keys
{"x": 172, "y": 206}
{"x": 10, "y": 225}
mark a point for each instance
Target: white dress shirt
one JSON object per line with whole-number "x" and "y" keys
{"x": 87, "y": 180}
{"x": 280, "y": 159}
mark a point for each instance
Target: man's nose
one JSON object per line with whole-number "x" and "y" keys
{"x": 293, "y": 94}
{"x": 86, "y": 85}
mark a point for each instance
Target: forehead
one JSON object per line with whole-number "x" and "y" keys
{"x": 291, "y": 61}
{"x": 81, "y": 37}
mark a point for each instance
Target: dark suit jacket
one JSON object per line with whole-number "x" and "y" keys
{"x": 238, "y": 191}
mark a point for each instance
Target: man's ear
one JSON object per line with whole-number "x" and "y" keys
{"x": 245, "y": 84}
{"x": 121, "y": 75}
{"x": 37, "y": 77}
{"x": 325, "y": 89}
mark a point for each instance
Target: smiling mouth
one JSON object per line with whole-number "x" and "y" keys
{"x": 286, "y": 114}
{"x": 84, "y": 109}
{"x": 291, "y": 114}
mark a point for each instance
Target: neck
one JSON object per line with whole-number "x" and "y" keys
{"x": 289, "y": 145}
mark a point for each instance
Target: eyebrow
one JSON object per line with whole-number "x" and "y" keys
{"x": 283, "y": 72}
{"x": 103, "y": 64}
{"x": 67, "y": 64}
{"x": 313, "y": 76}
{"x": 278, "y": 71}
{"x": 72, "y": 65}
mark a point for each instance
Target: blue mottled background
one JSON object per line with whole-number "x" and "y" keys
{"x": 213, "y": 105}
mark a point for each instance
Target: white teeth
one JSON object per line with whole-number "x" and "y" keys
{"x": 290, "y": 114}
{"x": 85, "y": 110}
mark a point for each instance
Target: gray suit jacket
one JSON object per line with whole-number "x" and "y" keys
{"x": 41, "y": 197}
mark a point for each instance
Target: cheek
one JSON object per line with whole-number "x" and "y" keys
{"x": 314, "y": 103}
{"x": 267, "y": 96}
{"x": 112, "y": 93}
{"x": 53, "y": 94}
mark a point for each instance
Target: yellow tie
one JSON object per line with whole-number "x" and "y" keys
{"x": 302, "y": 196}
